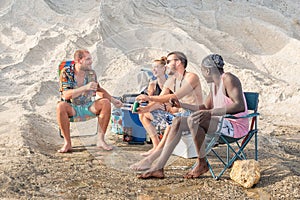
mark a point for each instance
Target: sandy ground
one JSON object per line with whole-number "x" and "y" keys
{"x": 91, "y": 173}
{"x": 258, "y": 39}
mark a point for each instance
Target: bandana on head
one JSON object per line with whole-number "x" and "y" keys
{"x": 218, "y": 60}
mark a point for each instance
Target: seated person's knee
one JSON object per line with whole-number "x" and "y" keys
{"x": 61, "y": 105}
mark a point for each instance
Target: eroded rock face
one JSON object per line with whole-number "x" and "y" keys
{"x": 245, "y": 172}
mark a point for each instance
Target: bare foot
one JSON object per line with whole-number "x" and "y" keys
{"x": 141, "y": 165}
{"x": 104, "y": 146}
{"x": 147, "y": 153}
{"x": 65, "y": 149}
{"x": 153, "y": 174}
{"x": 197, "y": 171}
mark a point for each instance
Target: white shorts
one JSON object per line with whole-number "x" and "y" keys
{"x": 227, "y": 128}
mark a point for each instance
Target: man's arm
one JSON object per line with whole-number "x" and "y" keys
{"x": 154, "y": 105}
{"x": 189, "y": 106}
{"x": 192, "y": 80}
{"x": 66, "y": 87}
{"x": 150, "y": 107}
{"x": 73, "y": 93}
{"x": 206, "y": 106}
{"x": 106, "y": 95}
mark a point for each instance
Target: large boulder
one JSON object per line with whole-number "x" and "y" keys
{"x": 245, "y": 172}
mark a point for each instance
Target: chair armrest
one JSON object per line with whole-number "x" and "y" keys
{"x": 245, "y": 116}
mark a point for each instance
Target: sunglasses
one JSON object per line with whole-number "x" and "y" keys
{"x": 168, "y": 61}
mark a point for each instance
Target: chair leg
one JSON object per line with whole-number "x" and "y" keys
{"x": 59, "y": 133}
{"x": 211, "y": 170}
{"x": 256, "y": 149}
{"x": 229, "y": 161}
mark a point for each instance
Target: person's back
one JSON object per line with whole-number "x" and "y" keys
{"x": 154, "y": 88}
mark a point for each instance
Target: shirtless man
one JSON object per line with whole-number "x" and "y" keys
{"x": 77, "y": 92}
{"x": 226, "y": 97}
{"x": 181, "y": 85}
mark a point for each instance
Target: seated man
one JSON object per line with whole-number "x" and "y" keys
{"x": 226, "y": 97}
{"x": 182, "y": 85}
{"x": 78, "y": 85}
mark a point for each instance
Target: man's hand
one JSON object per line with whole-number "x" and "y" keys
{"x": 91, "y": 86}
{"x": 143, "y": 109}
{"x": 171, "y": 109}
{"x": 201, "y": 116}
{"x": 174, "y": 102}
{"x": 143, "y": 98}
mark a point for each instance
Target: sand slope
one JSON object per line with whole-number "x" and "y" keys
{"x": 259, "y": 40}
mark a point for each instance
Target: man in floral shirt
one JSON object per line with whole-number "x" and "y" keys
{"x": 78, "y": 87}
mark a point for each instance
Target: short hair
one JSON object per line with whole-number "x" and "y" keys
{"x": 213, "y": 60}
{"x": 79, "y": 54}
{"x": 180, "y": 56}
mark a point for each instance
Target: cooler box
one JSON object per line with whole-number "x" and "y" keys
{"x": 131, "y": 121}
{"x": 186, "y": 147}
{"x": 116, "y": 121}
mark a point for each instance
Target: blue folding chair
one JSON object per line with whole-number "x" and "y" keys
{"x": 238, "y": 152}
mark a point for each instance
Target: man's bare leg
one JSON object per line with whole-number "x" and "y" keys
{"x": 198, "y": 132}
{"x": 179, "y": 124}
{"x": 153, "y": 174}
{"x": 198, "y": 170}
{"x": 146, "y": 163}
{"x": 103, "y": 108}
{"x": 63, "y": 111}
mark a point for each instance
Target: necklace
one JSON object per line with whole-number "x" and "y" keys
{"x": 180, "y": 81}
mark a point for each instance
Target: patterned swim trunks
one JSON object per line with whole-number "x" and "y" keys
{"x": 82, "y": 112}
{"x": 163, "y": 118}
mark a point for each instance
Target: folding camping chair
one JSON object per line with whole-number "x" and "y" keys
{"x": 233, "y": 154}
{"x": 65, "y": 64}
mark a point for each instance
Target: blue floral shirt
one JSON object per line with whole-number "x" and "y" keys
{"x": 68, "y": 81}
